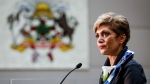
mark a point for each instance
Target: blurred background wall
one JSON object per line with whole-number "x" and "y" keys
{"x": 138, "y": 14}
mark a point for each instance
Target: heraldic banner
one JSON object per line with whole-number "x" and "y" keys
{"x": 43, "y": 34}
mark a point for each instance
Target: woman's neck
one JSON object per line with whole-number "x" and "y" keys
{"x": 112, "y": 58}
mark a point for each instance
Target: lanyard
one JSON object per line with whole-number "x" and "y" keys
{"x": 127, "y": 54}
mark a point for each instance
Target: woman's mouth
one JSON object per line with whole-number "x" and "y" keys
{"x": 102, "y": 47}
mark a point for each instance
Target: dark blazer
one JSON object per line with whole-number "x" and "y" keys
{"x": 130, "y": 73}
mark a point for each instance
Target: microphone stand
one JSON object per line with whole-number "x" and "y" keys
{"x": 77, "y": 67}
{"x": 67, "y": 75}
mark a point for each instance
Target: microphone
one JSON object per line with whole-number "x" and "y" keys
{"x": 77, "y": 67}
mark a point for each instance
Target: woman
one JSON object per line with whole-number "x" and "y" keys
{"x": 112, "y": 33}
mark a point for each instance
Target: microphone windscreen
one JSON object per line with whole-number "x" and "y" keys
{"x": 78, "y": 65}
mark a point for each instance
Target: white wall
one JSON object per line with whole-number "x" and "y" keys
{"x": 138, "y": 14}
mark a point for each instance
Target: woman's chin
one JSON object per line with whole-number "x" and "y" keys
{"x": 103, "y": 53}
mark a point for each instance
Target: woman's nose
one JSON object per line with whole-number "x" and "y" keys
{"x": 100, "y": 40}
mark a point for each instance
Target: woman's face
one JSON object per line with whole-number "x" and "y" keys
{"x": 107, "y": 41}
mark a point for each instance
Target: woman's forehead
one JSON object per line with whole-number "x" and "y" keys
{"x": 103, "y": 27}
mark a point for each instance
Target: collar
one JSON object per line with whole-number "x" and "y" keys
{"x": 128, "y": 55}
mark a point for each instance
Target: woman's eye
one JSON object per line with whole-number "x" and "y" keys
{"x": 96, "y": 36}
{"x": 105, "y": 34}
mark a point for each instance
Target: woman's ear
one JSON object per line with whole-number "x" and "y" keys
{"x": 122, "y": 38}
